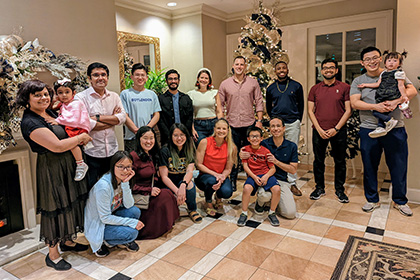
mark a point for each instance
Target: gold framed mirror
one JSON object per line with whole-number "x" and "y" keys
{"x": 144, "y": 49}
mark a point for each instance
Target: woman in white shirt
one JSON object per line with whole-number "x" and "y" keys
{"x": 207, "y": 106}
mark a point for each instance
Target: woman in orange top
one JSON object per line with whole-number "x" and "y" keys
{"x": 214, "y": 158}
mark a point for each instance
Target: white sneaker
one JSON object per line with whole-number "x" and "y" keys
{"x": 389, "y": 125}
{"x": 404, "y": 209}
{"x": 81, "y": 170}
{"x": 370, "y": 206}
{"x": 378, "y": 132}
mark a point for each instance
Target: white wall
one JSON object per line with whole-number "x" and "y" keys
{"x": 408, "y": 38}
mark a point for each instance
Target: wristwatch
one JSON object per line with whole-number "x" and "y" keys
{"x": 97, "y": 117}
{"x": 337, "y": 130}
{"x": 185, "y": 182}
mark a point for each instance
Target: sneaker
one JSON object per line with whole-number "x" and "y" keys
{"x": 404, "y": 209}
{"x": 103, "y": 252}
{"x": 273, "y": 220}
{"x": 294, "y": 189}
{"x": 378, "y": 132}
{"x": 389, "y": 125}
{"x": 131, "y": 246}
{"x": 370, "y": 206}
{"x": 342, "y": 197}
{"x": 81, "y": 170}
{"x": 317, "y": 193}
{"x": 242, "y": 220}
{"x": 258, "y": 209}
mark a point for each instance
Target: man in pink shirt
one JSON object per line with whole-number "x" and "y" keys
{"x": 106, "y": 111}
{"x": 238, "y": 95}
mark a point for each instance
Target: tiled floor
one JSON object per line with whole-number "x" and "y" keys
{"x": 307, "y": 247}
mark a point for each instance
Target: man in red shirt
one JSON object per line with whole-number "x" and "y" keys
{"x": 329, "y": 109}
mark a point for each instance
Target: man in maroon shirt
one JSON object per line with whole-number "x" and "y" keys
{"x": 238, "y": 95}
{"x": 329, "y": 109}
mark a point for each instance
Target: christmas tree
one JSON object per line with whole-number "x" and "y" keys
{"x": 260, "y": 44}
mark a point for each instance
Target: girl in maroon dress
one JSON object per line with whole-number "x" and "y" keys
{"x": 163, "y": 210}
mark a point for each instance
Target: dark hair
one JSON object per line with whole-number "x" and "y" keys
{"x": 139, "y": 66}
{"x": 253, "y": 128}
{"x": 118, "y": 156}
{"x": 188, "y": 148}
{"x": 329, "y": 60}
{"x": 197, "y": 84}
{"x": 97, "y": 65}
{"x": 397, "y": 55}
{"x": 154, "y": 152}
{"x": 280, "y": 61}
{"x": 172, "y": 71}
{"x": 68, "y": 84}
{"x": 239, "y": 57}
{"x": 30, "y": 87}
{"x": 279, "y": 118}
{"x": 369, "y": 49}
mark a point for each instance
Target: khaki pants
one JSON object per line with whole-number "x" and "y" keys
{"x": 287, "y": 205}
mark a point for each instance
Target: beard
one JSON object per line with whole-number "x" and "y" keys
{"x": 328, "y": 78}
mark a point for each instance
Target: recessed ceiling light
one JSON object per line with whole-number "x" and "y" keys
{"x": 171, "y": 4}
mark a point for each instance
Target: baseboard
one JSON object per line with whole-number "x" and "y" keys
{"x": 413, "y": 195}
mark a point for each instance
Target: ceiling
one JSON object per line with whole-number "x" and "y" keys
{"x": 235, "y": 6}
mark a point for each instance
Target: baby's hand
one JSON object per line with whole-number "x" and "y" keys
{"x": 51, "y": 120}
{"x": 361, "y": 86}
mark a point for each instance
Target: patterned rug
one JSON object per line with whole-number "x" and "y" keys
{"x": 366, "y": 259}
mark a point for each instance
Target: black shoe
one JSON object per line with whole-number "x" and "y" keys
{"x": 317, "y": 193}
{"x": 342, "y": 197}
{"x": 77, "y": 248}
{"x": 131, "y": 247}
{"x": 258, "y": 209}
{"x": 103, "y": 252}
{"x": 233, "y": 186}
{"x": 242, "y": 220}
{"x": 61, "y": 265}
{"x": 273, "y": 220}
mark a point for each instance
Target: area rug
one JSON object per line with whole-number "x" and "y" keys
{"x": 364, "y": 259}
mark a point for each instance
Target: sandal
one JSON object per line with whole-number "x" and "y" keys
{"x": 211, "y": 211}
{"x": 195, "y": 217}
{"x": 218, "y": 205}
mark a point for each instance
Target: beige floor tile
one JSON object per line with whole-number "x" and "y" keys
{"x": 26, "y": 265}
{"x": 267, "y": 275}
{"x": 78, "y": 276}
{"x": 185, "y": 221}
{"x": 249, "y": 253}
{"x": 303, "y": 203}
{"x": 50, "y": 273}
{"x": 361, "y": 218}
{"x": 173, "y": 232}
{"x": 285, "y": 264}
{"x": 231, "y": 269}
{"x": 221, "y": 228}
{"x": 400, "y": 242}
{"x": 404, "y": 225}
{"x": 328, "y": 203}
{"x": 352, "y": 206}
{"x": 146, "y": 246}
{"x": 341, "y": 234}
{"x": 311, "y": 227}
{"x": 264, "y": 239}
{"x": 316, "y": 271}
{"x": 161, "y": 270}
{"x": 296, "y": 247}
{"x": 322, "y": 211}
{"x": 326, "y": 255}
{"x": 394, "y": 214}
{"x": 119, "y": 259}
{"x": 185, "y": 256}
{"x": 205, "y": 240}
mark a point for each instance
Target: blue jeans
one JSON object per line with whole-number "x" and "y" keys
{"x": 205, "y": 183}
{"x": 204, "y": 128}
{"x": 116, "y": 234}
{"x": 382, "y": 118}
{"x": 190, "y": 195}
{"x": 394, "y": 144}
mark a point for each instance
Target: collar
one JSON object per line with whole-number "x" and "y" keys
{"x": 236, "y": 81}
{"x": 333, "y": 84}
{"x": 283, "y": 82}
{"x": 91, "y": 91}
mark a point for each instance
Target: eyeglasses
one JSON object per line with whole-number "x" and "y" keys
{"x": 369, "y": 59}
{"x": 254, "y": 137}
{"x": 125, "y": 168}
{"x": 39, "y": 96}
{"x": 328, "y": 68}
{"x": 97, "y": 75}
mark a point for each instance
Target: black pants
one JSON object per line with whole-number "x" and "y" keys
{"x": 240, "y": 140}
{"x": 338, "y": 152}
{"x": 97, "y": 168}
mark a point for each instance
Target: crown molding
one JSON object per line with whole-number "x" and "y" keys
{"x": 144, "y": 8}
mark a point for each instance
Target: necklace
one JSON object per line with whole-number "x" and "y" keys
{"x": 287, "y": 85}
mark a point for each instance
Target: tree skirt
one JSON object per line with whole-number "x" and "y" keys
{"x": 366, "y": 259}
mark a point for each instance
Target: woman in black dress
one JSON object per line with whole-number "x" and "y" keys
{"x": 60, "y": 199}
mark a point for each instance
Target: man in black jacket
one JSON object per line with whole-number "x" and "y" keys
{"x": 176, "y": 107}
